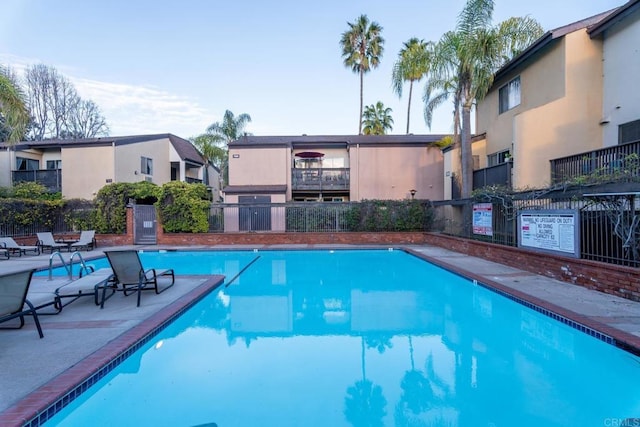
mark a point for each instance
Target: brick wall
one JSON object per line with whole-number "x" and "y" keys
{"x": 608, "y": 278}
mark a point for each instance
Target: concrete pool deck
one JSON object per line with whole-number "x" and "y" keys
{"x": 82, "y": 338}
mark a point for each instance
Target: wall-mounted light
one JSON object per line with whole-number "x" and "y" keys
{"x": 413, "y": 193}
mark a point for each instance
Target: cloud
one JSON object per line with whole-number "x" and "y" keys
{"x": 134, "y": 110}
{"x": 131, "y": 109}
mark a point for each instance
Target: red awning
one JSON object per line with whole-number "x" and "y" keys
{"x": 309, "y": 155}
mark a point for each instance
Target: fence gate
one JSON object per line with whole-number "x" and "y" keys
{"x": 144, "y": 229}
{"x": 255, "y": 218}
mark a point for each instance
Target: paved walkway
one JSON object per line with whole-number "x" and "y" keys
{"x": 83, "y": 330}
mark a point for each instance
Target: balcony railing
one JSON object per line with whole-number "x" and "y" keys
{"x": 50, "y": 178}
{"x": 320, "y": 179}
{"x": 493, "y": 175}
{"x": 190, "y": 180}
{"x": 620, "y": 160}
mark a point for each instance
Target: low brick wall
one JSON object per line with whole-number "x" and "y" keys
{"x": 608, "y": 278}
{"x": 268, "y": 238}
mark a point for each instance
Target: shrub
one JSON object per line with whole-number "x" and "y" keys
{"x": 183, "y": 207}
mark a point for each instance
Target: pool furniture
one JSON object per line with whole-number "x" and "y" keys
{"x": 4, "y": 252}
{"x": 87, "y": 241}
{"x": 131, "y": 275}
{"x": 46, "y": 241}
{"x": 89, "y": 285}
{"x": 14, "y": 248}
{"x": 13, "y": 298}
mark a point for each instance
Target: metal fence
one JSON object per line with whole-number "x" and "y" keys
{"x": 609, "y": 226}
{"x": 321, "y": 217}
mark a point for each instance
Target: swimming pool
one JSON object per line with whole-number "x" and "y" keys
{"x": 337, "y": 338}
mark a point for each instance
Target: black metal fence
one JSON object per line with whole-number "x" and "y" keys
{"x": 609, "y": 225}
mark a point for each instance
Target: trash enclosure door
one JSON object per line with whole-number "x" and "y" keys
{"x": 144, "y": 229}
{"x": 257, "y": 216}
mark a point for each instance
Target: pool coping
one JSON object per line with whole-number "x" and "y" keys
{"x": 599, "y": 330}
{"x": 47, "y": 400}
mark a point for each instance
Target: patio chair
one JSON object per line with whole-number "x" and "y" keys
{"x": 13, "y": 298}
{"x": 46, "y": 241}
{"x": 132, "y": 277}
{"x": 87, "y": 241}
{"x": 14, "y": 248}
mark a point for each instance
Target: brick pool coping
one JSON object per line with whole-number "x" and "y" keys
{"x": 44, "y": 402}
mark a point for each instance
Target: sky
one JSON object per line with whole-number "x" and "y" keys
{"x": 159, "y": 66}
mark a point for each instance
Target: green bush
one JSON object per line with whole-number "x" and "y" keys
{"x": 390, "y": 215}
{"x": 183, "y": 208}
{"x": 112, "y": 199}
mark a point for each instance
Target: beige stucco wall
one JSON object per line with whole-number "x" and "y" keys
{"x": 5, "y": 168}
{"x": 621, "y": 103}
{"x": 128, "y": 156}
{"x": 260, "y": 166}
{"x": 379, "y": 172}
{"x": 85, "y": 171}
{"x": 561, "y": 96}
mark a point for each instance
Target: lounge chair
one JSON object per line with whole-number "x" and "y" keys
{"x": 46, "y": 241}
{"x": 87, "y": 241}
{"x": 13, "y": 298}
{"x": 131, "y": 276}
{"x": 88, "y": 285}
{"x": 14, "y": 248}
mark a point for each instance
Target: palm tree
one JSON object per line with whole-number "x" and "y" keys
{"x": 362, "y": 47}
{"x": 463, "y": 64}
{"x": 411, "y": 66}
{"x": 213, "y": 144}
{"x": 13, "y": 109}
{"x": 377, "y": 119}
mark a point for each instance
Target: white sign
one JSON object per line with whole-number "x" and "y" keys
{"x": 482, "y": 219}
{"x": 549, "y": 230}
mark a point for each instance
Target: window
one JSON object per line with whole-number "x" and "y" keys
{"x": 629, "y": 132}
{"x": 497, "y": 158}
{"x": 54, "y": 164}
{"x": 509, "y": 95}
{"x": 23, "y": 164}
{"x": 146, "y": 166}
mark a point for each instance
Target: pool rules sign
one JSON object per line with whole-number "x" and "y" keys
{"x": 551, "y": 231}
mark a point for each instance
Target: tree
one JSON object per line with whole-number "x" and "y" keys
{"x": 377, "y": 119}
{"x": 56, "y": 108}
{"x": 213, "y": 145}
{"x": 362, "y": 48}
{"x": 412, "y": 65}
{"x": 14, "y": 115}
{"x": 87, "y": 122}
{"x": 463, "y": 64}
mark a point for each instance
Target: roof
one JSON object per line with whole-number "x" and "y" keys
{"x": 547, "y": 39}
{"x": 614, "y": 18}
{"x": 184, "y": 148}
{"x": 301, "y": 141}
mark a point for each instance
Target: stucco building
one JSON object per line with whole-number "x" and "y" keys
{"x": 79, "y": 168}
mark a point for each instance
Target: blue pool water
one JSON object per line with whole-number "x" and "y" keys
{"x": 358, "y": 338}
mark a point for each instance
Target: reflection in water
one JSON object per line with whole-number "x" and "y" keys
{"x": 374, "y": 338}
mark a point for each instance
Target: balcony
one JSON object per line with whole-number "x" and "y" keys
{"x": 620, "y": 161}
{"x": 493, "y": 175}
{"x": 318, "y": 179}
{"x": 190, "y": 180}
{"x": 50, "y": 178}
